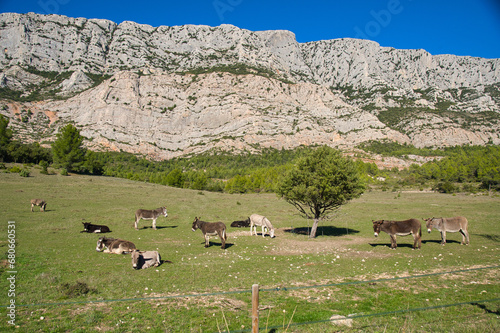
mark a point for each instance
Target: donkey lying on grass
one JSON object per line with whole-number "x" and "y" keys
{"x": 145, "y": 259}
{"x": 241, "y": 224}
{"x": 400, "y": 228}
{"x": 38, "y": 202}
{"x": 259, "y": 220}
{"x": 113, "y": 245}
{"x": 95, "y": 228}
{"x": 451, "y": 224}
{"x": 211, "y": 229}
{"x": 149, "y": 215}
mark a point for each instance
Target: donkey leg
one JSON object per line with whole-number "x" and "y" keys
{"x": 465, "y": 237}
{"x": 416, "y": 241}
{"x": 223, "y": 239}
{"x": 263, "y": 231}
{"x": 443, "y": 237}
{"x": 32, "y": 207}
{"x": 136, "y": 224}
{"x": 154, "y": 224}
{"x": 207, "y": 241}
{"x": 394, "y": 245}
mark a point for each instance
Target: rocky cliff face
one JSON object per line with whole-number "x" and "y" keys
{"x": 168, "y": 91}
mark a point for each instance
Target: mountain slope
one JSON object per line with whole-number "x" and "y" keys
{"x": 168, "y": 91}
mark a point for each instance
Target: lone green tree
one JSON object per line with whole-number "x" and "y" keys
{"x": 319, "y": 183}
{"x": 67, "y": 150}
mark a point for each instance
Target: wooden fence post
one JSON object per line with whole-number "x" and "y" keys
{"x": 255, "y": 308}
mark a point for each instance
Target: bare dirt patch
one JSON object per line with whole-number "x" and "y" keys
{"x": 296, "y": 242}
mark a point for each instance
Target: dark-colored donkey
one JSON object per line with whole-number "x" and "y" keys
{"x": 38, "y": 202}
{"x": 94, "y": 228}
{"x": 113, "y": 245}
{"x": 450, "y": 224}
{"x": 241, "y": 224}
{"x": 211, "y": 229}
{"x": 149, "y": 215}
{"x": 400, "y": 228}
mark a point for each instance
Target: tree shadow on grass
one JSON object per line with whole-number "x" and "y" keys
{"x": 323, "y": 231}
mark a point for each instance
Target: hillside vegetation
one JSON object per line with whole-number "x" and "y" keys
{"x": 467, "y": 168}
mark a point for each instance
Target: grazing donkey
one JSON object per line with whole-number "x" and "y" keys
{"x": 149, "y": 215}
{"x": 211, "y": 229}
{"x": 450, "y": 224}
{"x": 145, "y": 259}
{"x": 38, "y": 202}
{"x": 400, "y": 228}
{"x": 259, "y": 220}
{"x": 95, "y": 228}
{"x": 113, "y": 245}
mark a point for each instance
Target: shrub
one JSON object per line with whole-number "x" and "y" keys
{"x": 24, "y": 173}
{"x": 446, "y": 187}
{"x": 15, "y": 169}
{"x": 44, "y": 165}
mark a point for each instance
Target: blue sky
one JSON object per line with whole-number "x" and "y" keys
{"x": 461, "y": 27}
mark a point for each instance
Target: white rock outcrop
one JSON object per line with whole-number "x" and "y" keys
{"x": 168, "y": 91}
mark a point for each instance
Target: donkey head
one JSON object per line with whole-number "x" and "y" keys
{"x": 431, "y": 223}
{"x": 196, "y": 223}
{"x": 377, "y": 225}
{"x": 101, "y": 243}
{"x": 164, "y": 211}
{"x": 135, "y": 259}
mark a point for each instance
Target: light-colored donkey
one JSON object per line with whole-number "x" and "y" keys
{"x": 145, "y": 259}
{"x": 38, "y": 202}
{"x": 449, "y": 224}
{"x": 259, "y": 220}
{"x": 149, "y": 215}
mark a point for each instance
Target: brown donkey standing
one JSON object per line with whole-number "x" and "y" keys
{"x": 400, "y": 228}
{"x": 211, "y": 229}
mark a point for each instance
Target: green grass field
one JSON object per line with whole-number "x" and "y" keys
{"x": 64, "y": 285}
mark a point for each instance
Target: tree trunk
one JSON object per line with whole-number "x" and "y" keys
{"x": 314, "y": 228}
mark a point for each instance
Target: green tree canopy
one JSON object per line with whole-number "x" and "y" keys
{"x": 5, "y": 136}
{"x": 67, "y": 150}
{"x": 320, "y": 183}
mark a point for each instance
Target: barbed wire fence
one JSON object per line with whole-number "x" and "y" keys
{"x": 286, "y": 289}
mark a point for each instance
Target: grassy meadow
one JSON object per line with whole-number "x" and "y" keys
{"x": 64, "y": 285}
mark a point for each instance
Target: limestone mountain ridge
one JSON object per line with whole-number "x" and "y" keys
{"x": 171, "y": 91}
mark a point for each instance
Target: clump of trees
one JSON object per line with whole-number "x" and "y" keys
{"x": 454, "y": 168}
{"x": 17, "y": 152}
